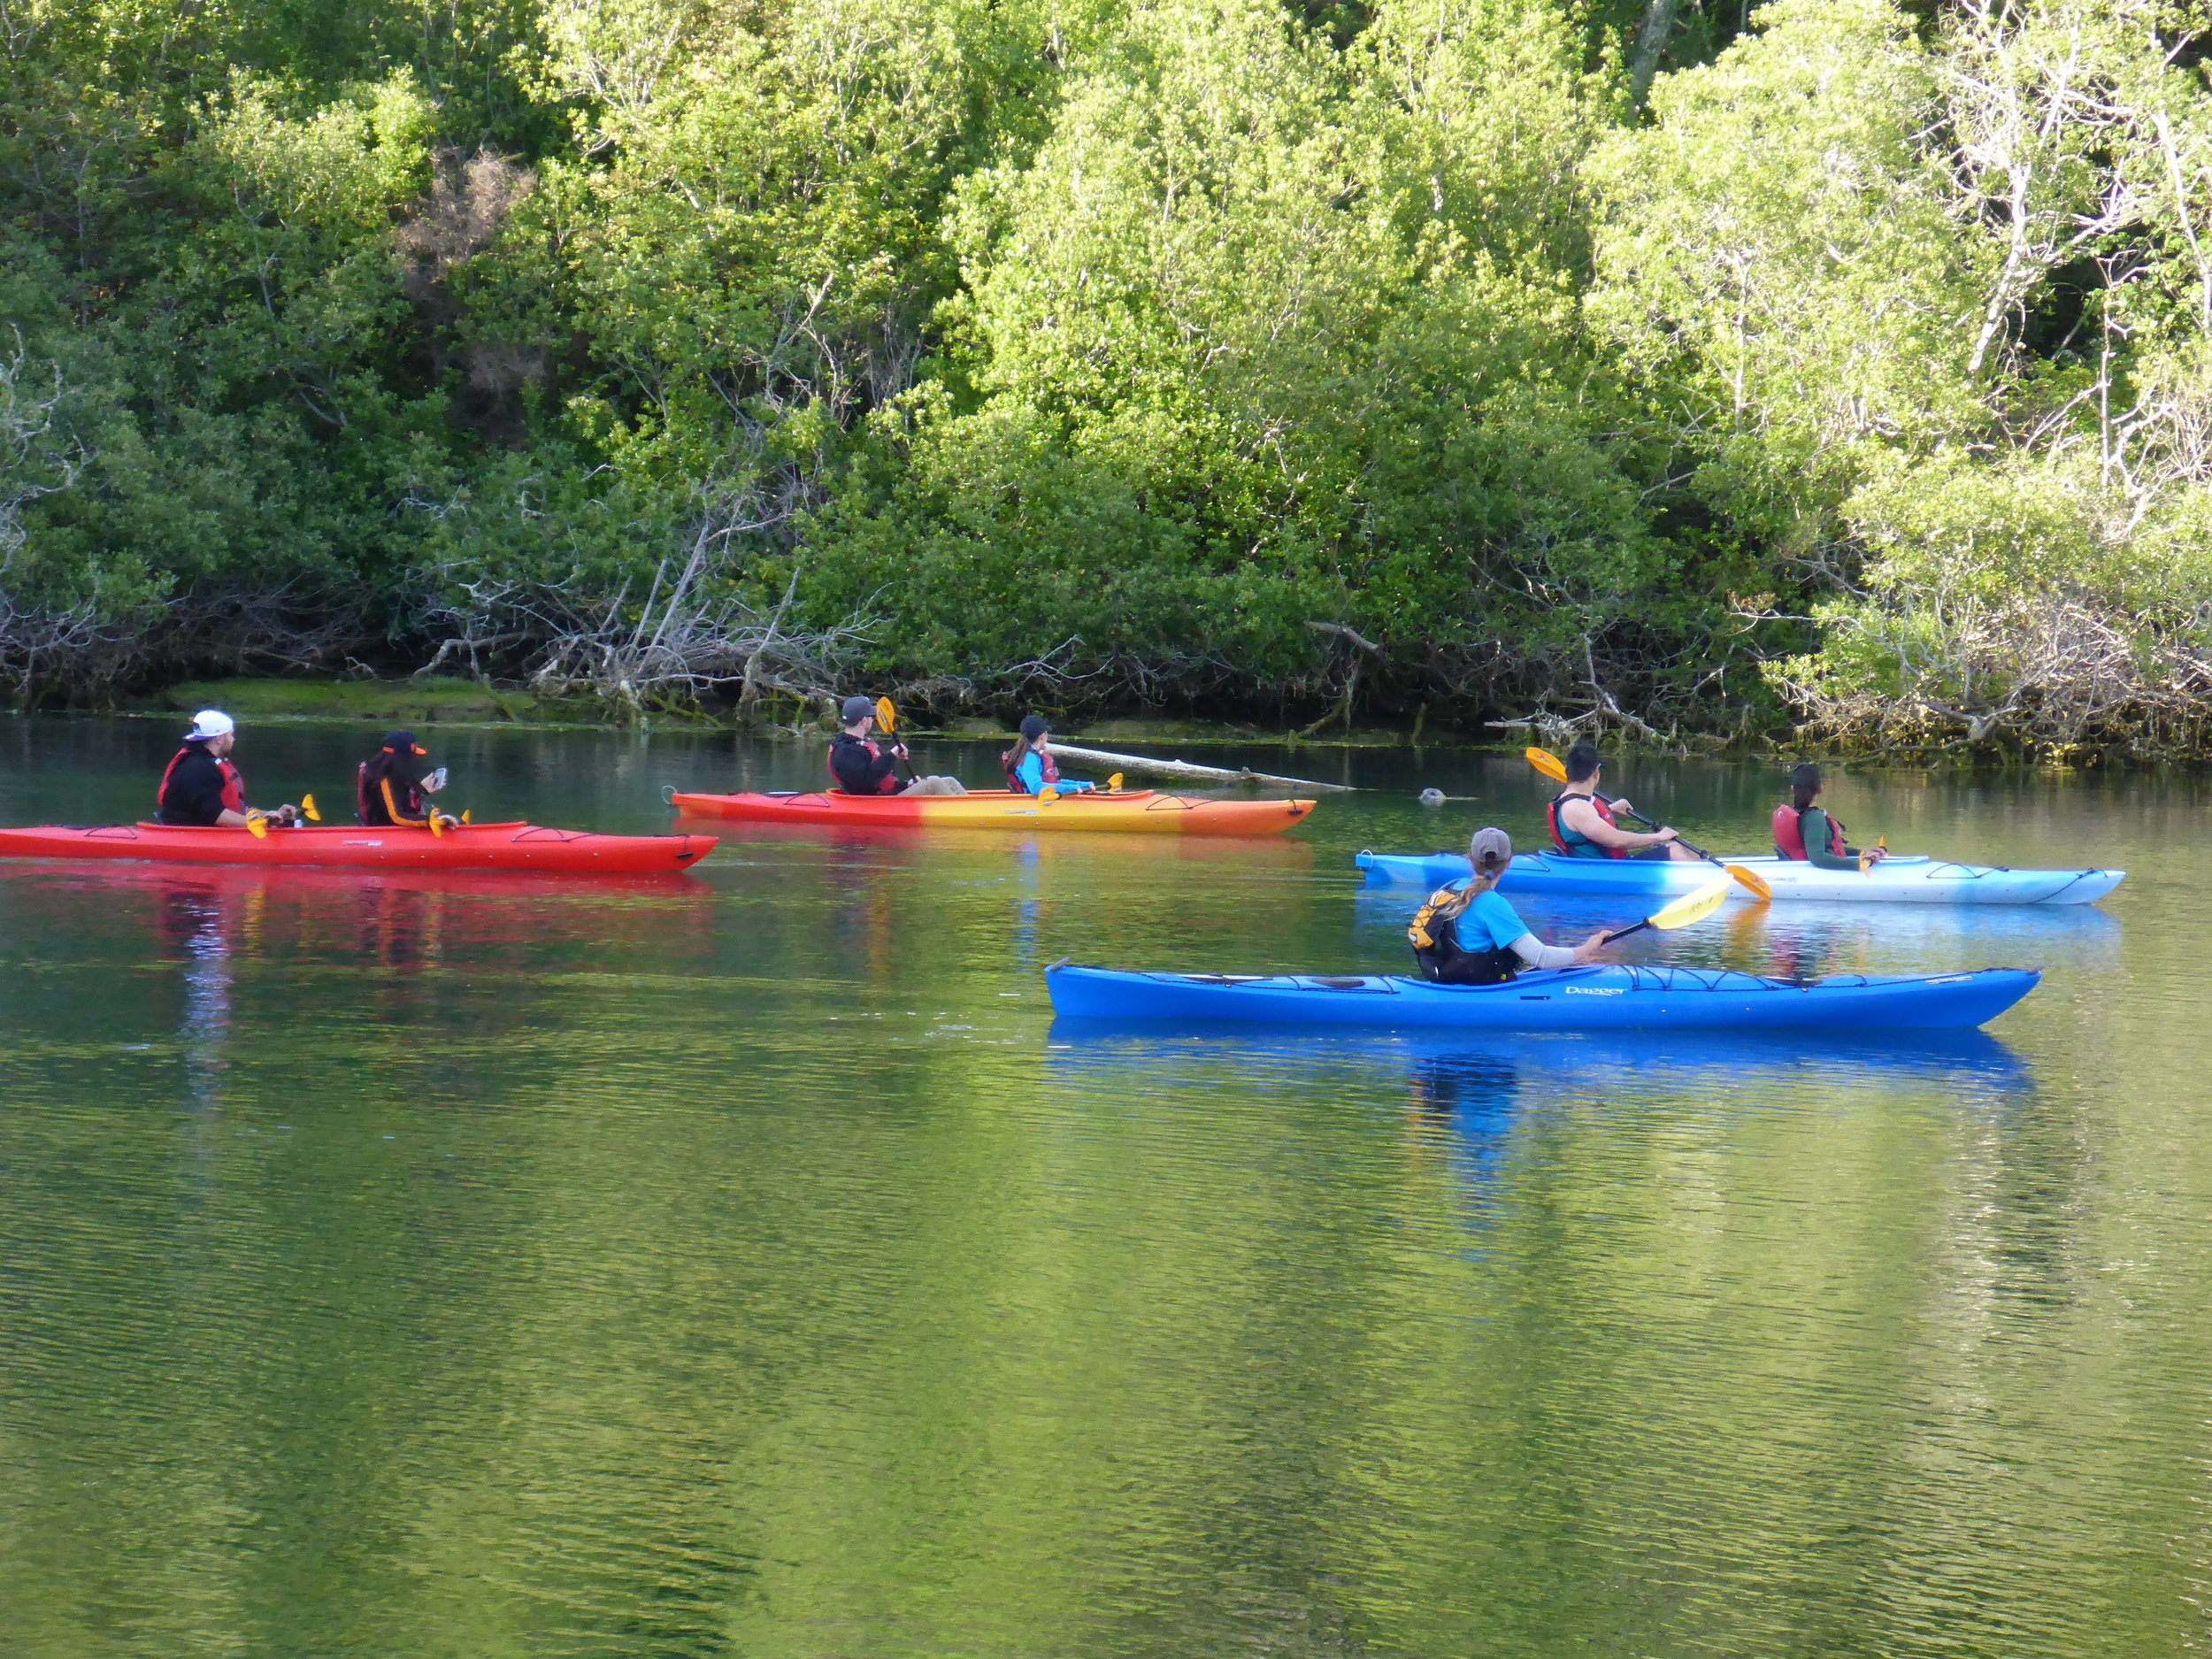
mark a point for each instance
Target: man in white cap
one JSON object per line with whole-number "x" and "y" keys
{"x": 1468, "y": 934}
{"x": 201, "y": 788}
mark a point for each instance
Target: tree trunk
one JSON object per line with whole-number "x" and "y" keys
{"x": 1651, "y": 40}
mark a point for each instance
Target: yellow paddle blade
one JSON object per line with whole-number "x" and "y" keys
{"x": 1546, "y": 763}
{"x": 256, "y": 826}
{"x": 887, "y": 717}
{"x": 1691, "y": 907}
{"x": 1049, "y": 794}
{"x": 1751, "y": 881}
{"x": 437, "y": 828}
{"x": 467, "y": 820}
{"x": 307, "y": 806}
{"x": 1113, "y": 783}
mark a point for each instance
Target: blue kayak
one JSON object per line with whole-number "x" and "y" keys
{"x": 1593, "y": 998}
{"x": 1900, "y": 879}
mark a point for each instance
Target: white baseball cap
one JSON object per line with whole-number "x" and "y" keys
{"x": 210, "y": 722}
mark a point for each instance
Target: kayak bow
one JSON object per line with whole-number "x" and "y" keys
{"x": 461, "y": 846}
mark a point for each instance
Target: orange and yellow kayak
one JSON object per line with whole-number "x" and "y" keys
{"x": 1142, "y": 811}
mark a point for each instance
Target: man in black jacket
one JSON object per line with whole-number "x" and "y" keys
{"x": 863, "y": 767}
{"x": 200, "y": 788}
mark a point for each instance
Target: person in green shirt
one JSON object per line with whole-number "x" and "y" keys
{"x": 1803, "y": 829}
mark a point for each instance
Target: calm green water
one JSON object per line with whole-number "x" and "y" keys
{"x": 738, "y": 1264}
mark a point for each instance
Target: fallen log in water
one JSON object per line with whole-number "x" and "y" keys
{"x": 1184, "y": 769}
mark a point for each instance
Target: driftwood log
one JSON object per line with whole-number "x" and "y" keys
{"x": 1184, "y": 769}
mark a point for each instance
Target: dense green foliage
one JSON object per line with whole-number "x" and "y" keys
{"x": 1090, "y": 352}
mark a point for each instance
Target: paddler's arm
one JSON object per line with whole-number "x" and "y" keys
{"x": 1814, "y": 824}
{"x": 1583, "y": 818}
{"x": 392, "y": 807}
{"x": 1537, "y": 953}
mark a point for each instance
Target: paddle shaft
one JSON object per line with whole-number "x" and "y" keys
{"x": 1648, "y": 824}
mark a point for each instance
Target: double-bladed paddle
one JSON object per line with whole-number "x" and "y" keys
{"x": 1550, "y": 765}
{"x": 1691, "y": 907}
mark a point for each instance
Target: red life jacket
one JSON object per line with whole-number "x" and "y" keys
{"x": 890, "y": 784}
{"x": 1789, "y": 835}
{"x": 1013, "y": 757}
{"x": 1560, "y": 831}
{"x": 233, "y": 786}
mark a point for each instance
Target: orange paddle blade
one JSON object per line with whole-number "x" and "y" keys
{"x": 1751, "y": 881}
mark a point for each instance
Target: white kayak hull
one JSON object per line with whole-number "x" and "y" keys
{"x": 1902, "y": 879}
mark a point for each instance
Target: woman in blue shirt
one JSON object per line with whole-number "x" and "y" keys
{"x": 1030, "y": 768}
{"x": 1468, "y": 934}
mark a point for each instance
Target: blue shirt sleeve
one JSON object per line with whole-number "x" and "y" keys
{"x": 1491, "y": 917}
{"x": 1032, "y": 772}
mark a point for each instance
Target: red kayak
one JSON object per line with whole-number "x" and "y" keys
{"x": 468, "y": 847}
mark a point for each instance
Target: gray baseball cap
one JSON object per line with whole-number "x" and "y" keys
{"x": 857, "y": 707}
{"x": 1490, "y": 851}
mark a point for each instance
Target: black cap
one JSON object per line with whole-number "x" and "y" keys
{"x": 1034, "y": 725}
{"x": 401, "y": 743}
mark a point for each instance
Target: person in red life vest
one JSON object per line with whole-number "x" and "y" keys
{"x": 1030, "y": 768}
{"x": 1803, "y": 830}
{"x": 863, "y": 767}
{"x": 392, "y": 789}
{"x": 1582, "y": 820}
{"x": 200, "y": 788}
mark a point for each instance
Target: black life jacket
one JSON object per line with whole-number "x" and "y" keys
{"x": 1434, "y": 935}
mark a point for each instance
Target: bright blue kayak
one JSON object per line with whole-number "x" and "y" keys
{"x": 1902, "y": 879}
{"x": 1594, "y": 998}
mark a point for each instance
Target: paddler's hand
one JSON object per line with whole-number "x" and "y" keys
{"x": 288, "y": 816}
{"x": 1666, "y": 832}
{"x": 1626, "y": 809}
{"x": 1589, "y": 948}
{"x": 1875, "y": 855}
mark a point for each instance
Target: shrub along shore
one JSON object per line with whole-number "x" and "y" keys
{"x": 1830, "y": 372}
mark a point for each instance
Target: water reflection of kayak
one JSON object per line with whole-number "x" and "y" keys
{"x": 1902, "y": 879}
{"x": 1593, "y": 998}
{"x": 1458, "y": 1064}
{"x": 464, "y": 847}
{"x": 2035, "y": 932}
